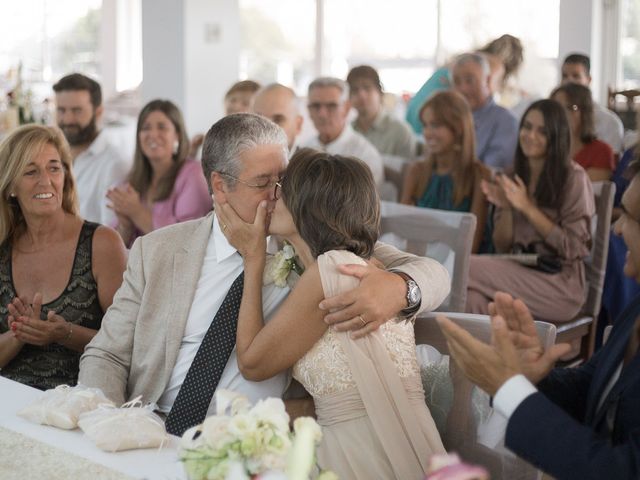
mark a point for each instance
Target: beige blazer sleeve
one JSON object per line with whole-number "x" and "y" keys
{"x": 106, "y": 361}
{"x": 430, "y": 275}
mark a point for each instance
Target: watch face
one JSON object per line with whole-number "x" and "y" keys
{"x": 413, "y": 295}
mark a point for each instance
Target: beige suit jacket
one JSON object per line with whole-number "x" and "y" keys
{"x": 137, "y": 346}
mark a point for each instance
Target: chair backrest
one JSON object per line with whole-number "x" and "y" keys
{"x": 428, "y": 332}
{"x": 596, "y": 263}
{"x": 442, "y": 235}
{"x": 470, "y": 427}
{"x": 582, "y": 330}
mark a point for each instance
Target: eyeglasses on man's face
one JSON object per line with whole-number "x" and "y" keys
{"x": 263, "y": 185}
{"x": 317, "y": 106}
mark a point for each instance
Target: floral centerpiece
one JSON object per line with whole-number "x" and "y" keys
{"x": 242, "y": 442}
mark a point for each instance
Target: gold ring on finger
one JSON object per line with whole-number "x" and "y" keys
{"x": 364, "y": 323}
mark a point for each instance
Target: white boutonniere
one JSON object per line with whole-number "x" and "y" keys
{"x": 278, "y": 267}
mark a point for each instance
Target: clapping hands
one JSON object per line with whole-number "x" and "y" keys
{"x": 515, "y": 347}
{"x": 27, "y": 327}
{"x": 125, "y": 201}
{"x": 507, "y": 193}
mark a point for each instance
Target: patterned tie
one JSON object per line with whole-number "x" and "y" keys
{"x": 191, "y": 404}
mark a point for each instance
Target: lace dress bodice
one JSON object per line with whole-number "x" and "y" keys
{"x": 324, "y": 370}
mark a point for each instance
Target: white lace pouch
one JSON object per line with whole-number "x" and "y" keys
{"x": 62, "y": 406}
{"x": 129, "y": 427}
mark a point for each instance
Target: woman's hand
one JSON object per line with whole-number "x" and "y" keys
{"x": 515, "y": 192}
{"x": 125, "y": 201}
{"x": 250, "y": 239}
{"x": 27, "y": 326}
{"x": 494, "y": 193}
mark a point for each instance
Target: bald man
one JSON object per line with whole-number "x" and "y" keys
{"x": 280, "y": 104}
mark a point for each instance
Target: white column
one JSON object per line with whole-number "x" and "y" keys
{"x": 190, "y": 52}
{"x": 108, "y": 48}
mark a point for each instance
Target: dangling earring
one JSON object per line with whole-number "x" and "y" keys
{"x": 176, "y": 146}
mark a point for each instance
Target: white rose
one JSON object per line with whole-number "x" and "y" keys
{"x": 215, "y": 431}
{"x": 242, "y": 424}
{"x": 272, "y": 411}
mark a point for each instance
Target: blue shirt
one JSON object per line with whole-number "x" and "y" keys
{"x": 496, "y": 135}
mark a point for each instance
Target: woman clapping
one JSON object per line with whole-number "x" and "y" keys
{"x": 58, "y": 273}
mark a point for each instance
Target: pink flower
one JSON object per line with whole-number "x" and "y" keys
{"x": 449, "y": 467}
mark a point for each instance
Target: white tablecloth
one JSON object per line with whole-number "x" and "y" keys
{"x": 149, "y": 464}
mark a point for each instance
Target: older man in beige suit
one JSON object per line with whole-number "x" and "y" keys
{"x": 177, "y": 278}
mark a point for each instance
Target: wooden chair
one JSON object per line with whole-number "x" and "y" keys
{"x": 584, "y": 326}
{"x": 442, "y": 235}
{"x": 465, "y": 440}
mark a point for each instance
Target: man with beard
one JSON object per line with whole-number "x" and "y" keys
{"x": 97, "y": 165}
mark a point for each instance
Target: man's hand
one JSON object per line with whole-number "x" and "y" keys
{"x": 380, "y": 296}
{"x": 535, "y": 362}
{"x": 488, "y": 366}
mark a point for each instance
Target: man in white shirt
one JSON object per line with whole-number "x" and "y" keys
{"x": 576, "y": 68}
{"x": 579, "y": 422}
{"x": 329, "y": 107}
{"x": 178, "y": 276}
{"x": 97, "y": 165}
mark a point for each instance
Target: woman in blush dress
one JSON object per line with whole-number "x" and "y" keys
{"x": 164, "y": 186}
{"x": 546, "y": 209}
{"x": 367, "y": 392}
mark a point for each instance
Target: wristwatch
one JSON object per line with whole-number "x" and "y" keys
{"x": 414, "y": 295}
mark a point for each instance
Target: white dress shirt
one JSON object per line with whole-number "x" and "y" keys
{"x": 515, "y": 390}
{"x": 609, "y": 127}
{"x": 97, "y": 169}
{"x": 351, "y": 143}
{"x": 222, "y": 265}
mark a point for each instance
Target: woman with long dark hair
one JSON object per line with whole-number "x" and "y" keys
{"x": 595, "y": 156}
{"x": 545, "y": 209}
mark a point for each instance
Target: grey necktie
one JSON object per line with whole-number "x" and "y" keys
{"x": 191, "y": 404}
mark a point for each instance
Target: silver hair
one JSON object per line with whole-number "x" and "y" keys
{"x": 229, "y": 137}
{"x": 324, "y": 82}
{"x": 477, "y": 58}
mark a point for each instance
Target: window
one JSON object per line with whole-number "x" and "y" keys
{"x": 278, "y": 41}
{"x": 630, "y": 44}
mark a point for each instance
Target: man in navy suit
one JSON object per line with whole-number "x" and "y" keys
{"x": 581, "y": 423}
